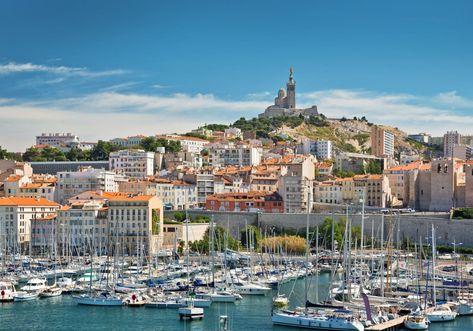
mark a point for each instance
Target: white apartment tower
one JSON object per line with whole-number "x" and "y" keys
{"x": 450, "y": 139}
{"x": 132, "y": 163}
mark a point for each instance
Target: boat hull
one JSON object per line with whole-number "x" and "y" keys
{"x": 308, "y": 322}
{"x": 91, "y": 301}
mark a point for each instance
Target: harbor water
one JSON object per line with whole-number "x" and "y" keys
{"x": 251, "y": 313}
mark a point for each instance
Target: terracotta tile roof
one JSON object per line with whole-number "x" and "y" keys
{"x": 406, "y": 167}
{"x": 116, "y": 196}
{"x": 18, "y": 201}
{"x": 323, "y": 165}
{"x": 13, "y": 178}
{"x": 47, "y": 217}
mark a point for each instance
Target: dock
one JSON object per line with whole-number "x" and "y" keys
{"x": 391, "y": 325}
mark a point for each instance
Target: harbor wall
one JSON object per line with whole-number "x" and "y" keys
{"x": 412, "y": 226}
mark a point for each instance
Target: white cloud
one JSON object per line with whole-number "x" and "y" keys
{"x": 259, "y": 95}
{"x": 12, "y": 67}
{"x": 109, "y": 114}
{"x": 453, "y": 100}
{"x": 114, "y": 102}
{"x": 159, "y": 86}
{"x": 408, "y": 112}
{"x": 117, "y": 87}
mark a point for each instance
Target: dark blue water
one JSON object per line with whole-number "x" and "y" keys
{"x": 252, "y": 313}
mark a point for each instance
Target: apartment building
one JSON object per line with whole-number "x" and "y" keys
{"x": 71, "y": 183}
{"x": 188, "y": 144}
{"x": 82, "y": 228}
{"x": 63, "y": 141}
{"x": 135, "y": 221}
{"x": 15, "y": 220}
{"x": 268, "y": 202}
{"x": 222, "y": 155}
{"x": 295, "y": 192}
{"x": 450, "y": 139}
{"x": 132, "y": 163}
{"x": 131, "y": 141}
{"x": 328, "y": 192}
{"x": 382, "y": 142}
{"x": 175, "y": 195}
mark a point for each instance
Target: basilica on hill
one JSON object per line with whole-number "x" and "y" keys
{"x": 285, "y": 102}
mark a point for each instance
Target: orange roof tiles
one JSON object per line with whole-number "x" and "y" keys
{"x": 17, "y": 201}
{"x": 47, "y": 217}
{"x": 13, "y": 178}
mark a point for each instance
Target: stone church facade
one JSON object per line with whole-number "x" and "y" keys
{"x": 285, "y": 103}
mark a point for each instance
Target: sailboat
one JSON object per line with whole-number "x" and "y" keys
{"x": 103, "y": 298}
{"x": 417, "y": 320}
{"x": 190, "y": 310}
{"x": 323, "y": 319}
{"x": 439, "y": 313}
{"x": 54, "y": 290}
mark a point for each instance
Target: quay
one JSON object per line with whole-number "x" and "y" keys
{"x": 391, "y": 325}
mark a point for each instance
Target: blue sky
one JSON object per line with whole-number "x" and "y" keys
{"x": 104, "y": 69}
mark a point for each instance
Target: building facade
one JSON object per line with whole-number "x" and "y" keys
{"x": 16, "y": 215}
{"x": 450, "y": 139}
{"x": 72, "y": 183}
{"x": 382, "y": 142}
{"x": 267, "y": 202}
{"x": 132, "y": 163}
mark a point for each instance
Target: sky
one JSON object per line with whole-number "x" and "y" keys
{"x": 106, "y": 69}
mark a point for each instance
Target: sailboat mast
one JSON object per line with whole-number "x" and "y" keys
{"x": 307, "y": 251}
{"x": 433, "y": 266}
{"x": 317, "y": 265}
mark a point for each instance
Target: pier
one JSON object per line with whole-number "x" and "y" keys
{"x": 391, "y": 325}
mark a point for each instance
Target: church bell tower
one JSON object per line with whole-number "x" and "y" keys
{"x": 291, "y": 91}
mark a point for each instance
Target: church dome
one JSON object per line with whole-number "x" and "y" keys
{"x": 281, "y": 93}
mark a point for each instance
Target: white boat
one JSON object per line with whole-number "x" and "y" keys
{"x": 35, "y": 285}
{"x": 280, "y": 301}
{"x": 441, "y": 314}
{"x": 336, "y": 320}
{"x": 191, "y": 312}
{"x": 199, "y": 303}
{"x": 251, "y": 289}
{"x": 7, "y": 291}
{"x": 136, "y": 300}
{"x": 65, "y": 282}
{"x": 87, "y": 278}
{"x": 465, "y": 308}
{"x": 416, "y": 322}
{"x": 220, "y": 296}
{"x": 51, "y": 292}
{"x": 25, "y": 296}
{"x": 102, "y": 299}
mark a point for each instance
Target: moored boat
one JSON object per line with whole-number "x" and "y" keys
{"x": 7, "y": 291}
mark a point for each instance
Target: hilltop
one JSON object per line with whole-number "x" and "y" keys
{"x": 347, "y": 135}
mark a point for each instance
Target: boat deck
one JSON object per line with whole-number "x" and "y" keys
{"x": 391, "y": 325}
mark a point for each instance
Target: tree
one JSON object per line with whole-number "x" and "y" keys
{"x": 32, "y": 154}
{"x": 373, "y": 167}
{"x": 222, "y": 240}
{"x": 250, "y": 231}
{"x": 149, "y": 144}
{"x": 77, "y": 154}
{"x": 6, "y": 155}
{"x": 339, "y": 231}
{"x": 3, "y": 153}
{"x": 102, "y": 150}
{"x": 179, "y": 216}
{"x": 155, "y": 225}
